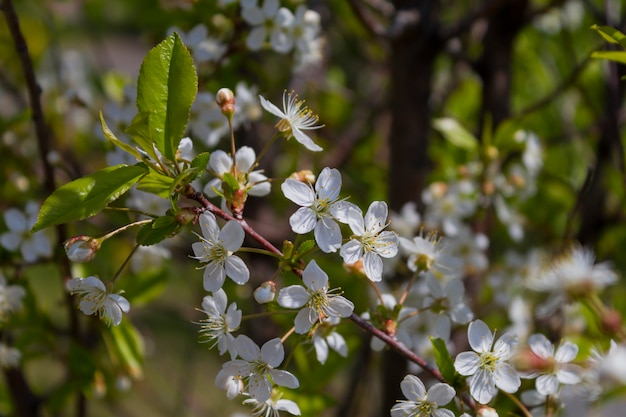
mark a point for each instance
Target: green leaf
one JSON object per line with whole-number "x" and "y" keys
{"x": 160, "y": 229}
{"x": 617, "y": 56}
{"x": 166, "y": 88}
{"x": 443, "y": 359}
{"x": 610, "y": 34}
{"x": 156, "y": 183}
{"x": 126, "y": 346}
{"x": 111, "y": 137}
{"x": 201, "y": 161}
{"x": 456, "y": 134}
{"x": 139, "y": 131}
{"x": 88, "y": 195}
{"x": 304, "y": 247}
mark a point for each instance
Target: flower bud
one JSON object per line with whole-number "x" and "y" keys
{"x": 306, "y": 176}
{"x": 80, "y": 249}
{"x": 485, "y": 411}
{"x": 265, "y": 293}
{"x": 225, "y": 98}
{"x": 611, "y": 321}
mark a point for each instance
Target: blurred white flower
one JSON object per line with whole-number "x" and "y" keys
{"x": 32, "y": 246}
{"x": 10, "y": 298}
{"x": 269, "y": 20}
{"x": 203, "y": 48}
{"x": 406, "y": 223}
{"x": 9, "y": 356}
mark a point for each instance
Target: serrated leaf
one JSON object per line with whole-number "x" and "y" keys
{"x": 456, "y": 134}
{"x": 617, "y": 56}
{"x": 201, "y": 161}
{"x": 88, "y": 195}
{"x": 158, "y": 230}
{"x": 443, "y": 359}
{"x": 140, "y": 133}
{"x": 157, "y": 184}
{"x": 166, "y": 88}
{"x": 610, "y": 34}
{"x": 112, "y": 138}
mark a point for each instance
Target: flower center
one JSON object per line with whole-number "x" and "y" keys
{"x": 488, "y": 361}
{"x": 319, "y": 302}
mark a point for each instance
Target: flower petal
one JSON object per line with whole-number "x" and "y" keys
{"x": 232, "y": 236}
{"x": 298, "y": 192}
{"x": 273, "y": 352}
{"x": 303, "y": 220}
{"x": 466, "y": 363}
{"x": 327, "y": 235}
{"x": 413, "y": 388}
{"x": 480, "y": 337}
{"x": 314, "y": 277}
{"x": 328, "y": 184}
{"x": 284, "y": 378}
{"x": 294, "y": 296}
{"x": 237, "y": 270}
{"x": 441, "y": 394}
{"x": 351, "y": 252}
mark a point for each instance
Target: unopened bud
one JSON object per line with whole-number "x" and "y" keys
{"x": 390, "y": 327}
{"x": 306, "y": 176}
{"x": 484, "y": 411}
{"x": 80, "y": 249}
{"x": 611, "y": 321}
{"x": 225, "y": 98}
{"x": 265, "y": 293}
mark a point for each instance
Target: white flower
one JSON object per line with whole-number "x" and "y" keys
{"x": 294, "y": 119}
{"x": 247, "y": 107}
{"x": 232, "y": 384}
{"x": 572, "y": 275}
{"x": 202, "y": 47}
{"x": 609, "y": 368}
{"x": 325, "y": 337}
{"x": 96, "y": 299}
{"x": 272, "y": 406}
{"x": 270, "y": 19}
{"x": 487, "y": 368}
{"x": 369, "y": 241}
{"x": 257, "y": 367}
{"x": 32, "y": 246}
{"x": 219, "y": 324}
{"x": 252, "y": 182}
{"x": 9, "y": 356}
{"x": 206, "y": 120}
{"x": 318, "y": 303}
{"x": 406, "y": 222}
{"x": 558, "y": 369}
{"x": 320, "y": 208}
{"x": 429, "y": 255}
{"x": 448, "y": 305}
{"x": 420, "y": 403}
{"x": 216, "y": 249}
{"x": 10, "y": 298}
{"x": 448, "y": 204}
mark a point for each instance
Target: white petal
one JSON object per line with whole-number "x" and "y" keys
{"x": 314, "y": 277}
{"x": 213, "y": 277}
{"x": 343, "y": 210}
{"x": 273, "y": 352}
{"x": 569, "y": 374}
{"x": 566, "y": 352}
{"x": 386, "y": 244}
{"x": 341, "y": 306}
{"x": 215, "y": 305}
{"x": 209, "y": 227}
{"x": 298, "y": 192}
{"x": 373, "y": 266}
{"x": 376, "y": 216}
{"x": 294, "y": 296}
{"x": 480, "y": 337}
{"x": 303, "y": 220}
{"x": 267, "y": 105}
{"x": 245, "y": 157}
{"x": 507, "y": 378}
{"x": 304, "y": 320}
{"x": 305, "y": 140}
{"x": 328, "y": 184}
{"x": 413, "y": 388}
{"x": 220, "y": 162}
{"x": 351, "y": 252}
{"x": 261, "y": 186}
{"x": 284, "y": 378}
{"x": 547, "y": 384}
{"x": 120, "y": 301}
{"x": 211, "y": 186}
{"x": 232, "y": 236}
{"x": 327, "y": 235}
{"x": 259, "y": 387}
{"x": 441, "y": 394}
{"x": 288, "y": 406}
{"x": 237, "y": 270}
{"x": 10, "y": 241}
{"x": 321, "y": 349}
{"x": 252, "y": 15}
{"x": 15, "y": 220}
{"x": 541, "y": 346}
{"x": 482, "y": 386}
{"x": 505, "y": 346}
{"x": 466, "y": 363}
{"x": 247, "y": 349}
{"x": 337, "y": 343}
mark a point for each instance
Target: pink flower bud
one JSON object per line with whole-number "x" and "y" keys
{"x": 265, "y": 293}
{"x": 225, "y": 98}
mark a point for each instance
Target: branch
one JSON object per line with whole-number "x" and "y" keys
{"x": 405, "y": 352}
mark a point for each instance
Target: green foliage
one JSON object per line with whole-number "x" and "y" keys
{"x": 444, "y": 361}
{"x": 157, "y": 230}
{"x": 88, "y": 195}
{"x": 166, "y": 89}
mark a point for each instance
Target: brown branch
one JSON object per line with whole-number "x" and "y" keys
{"x": 406, "y": 353}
